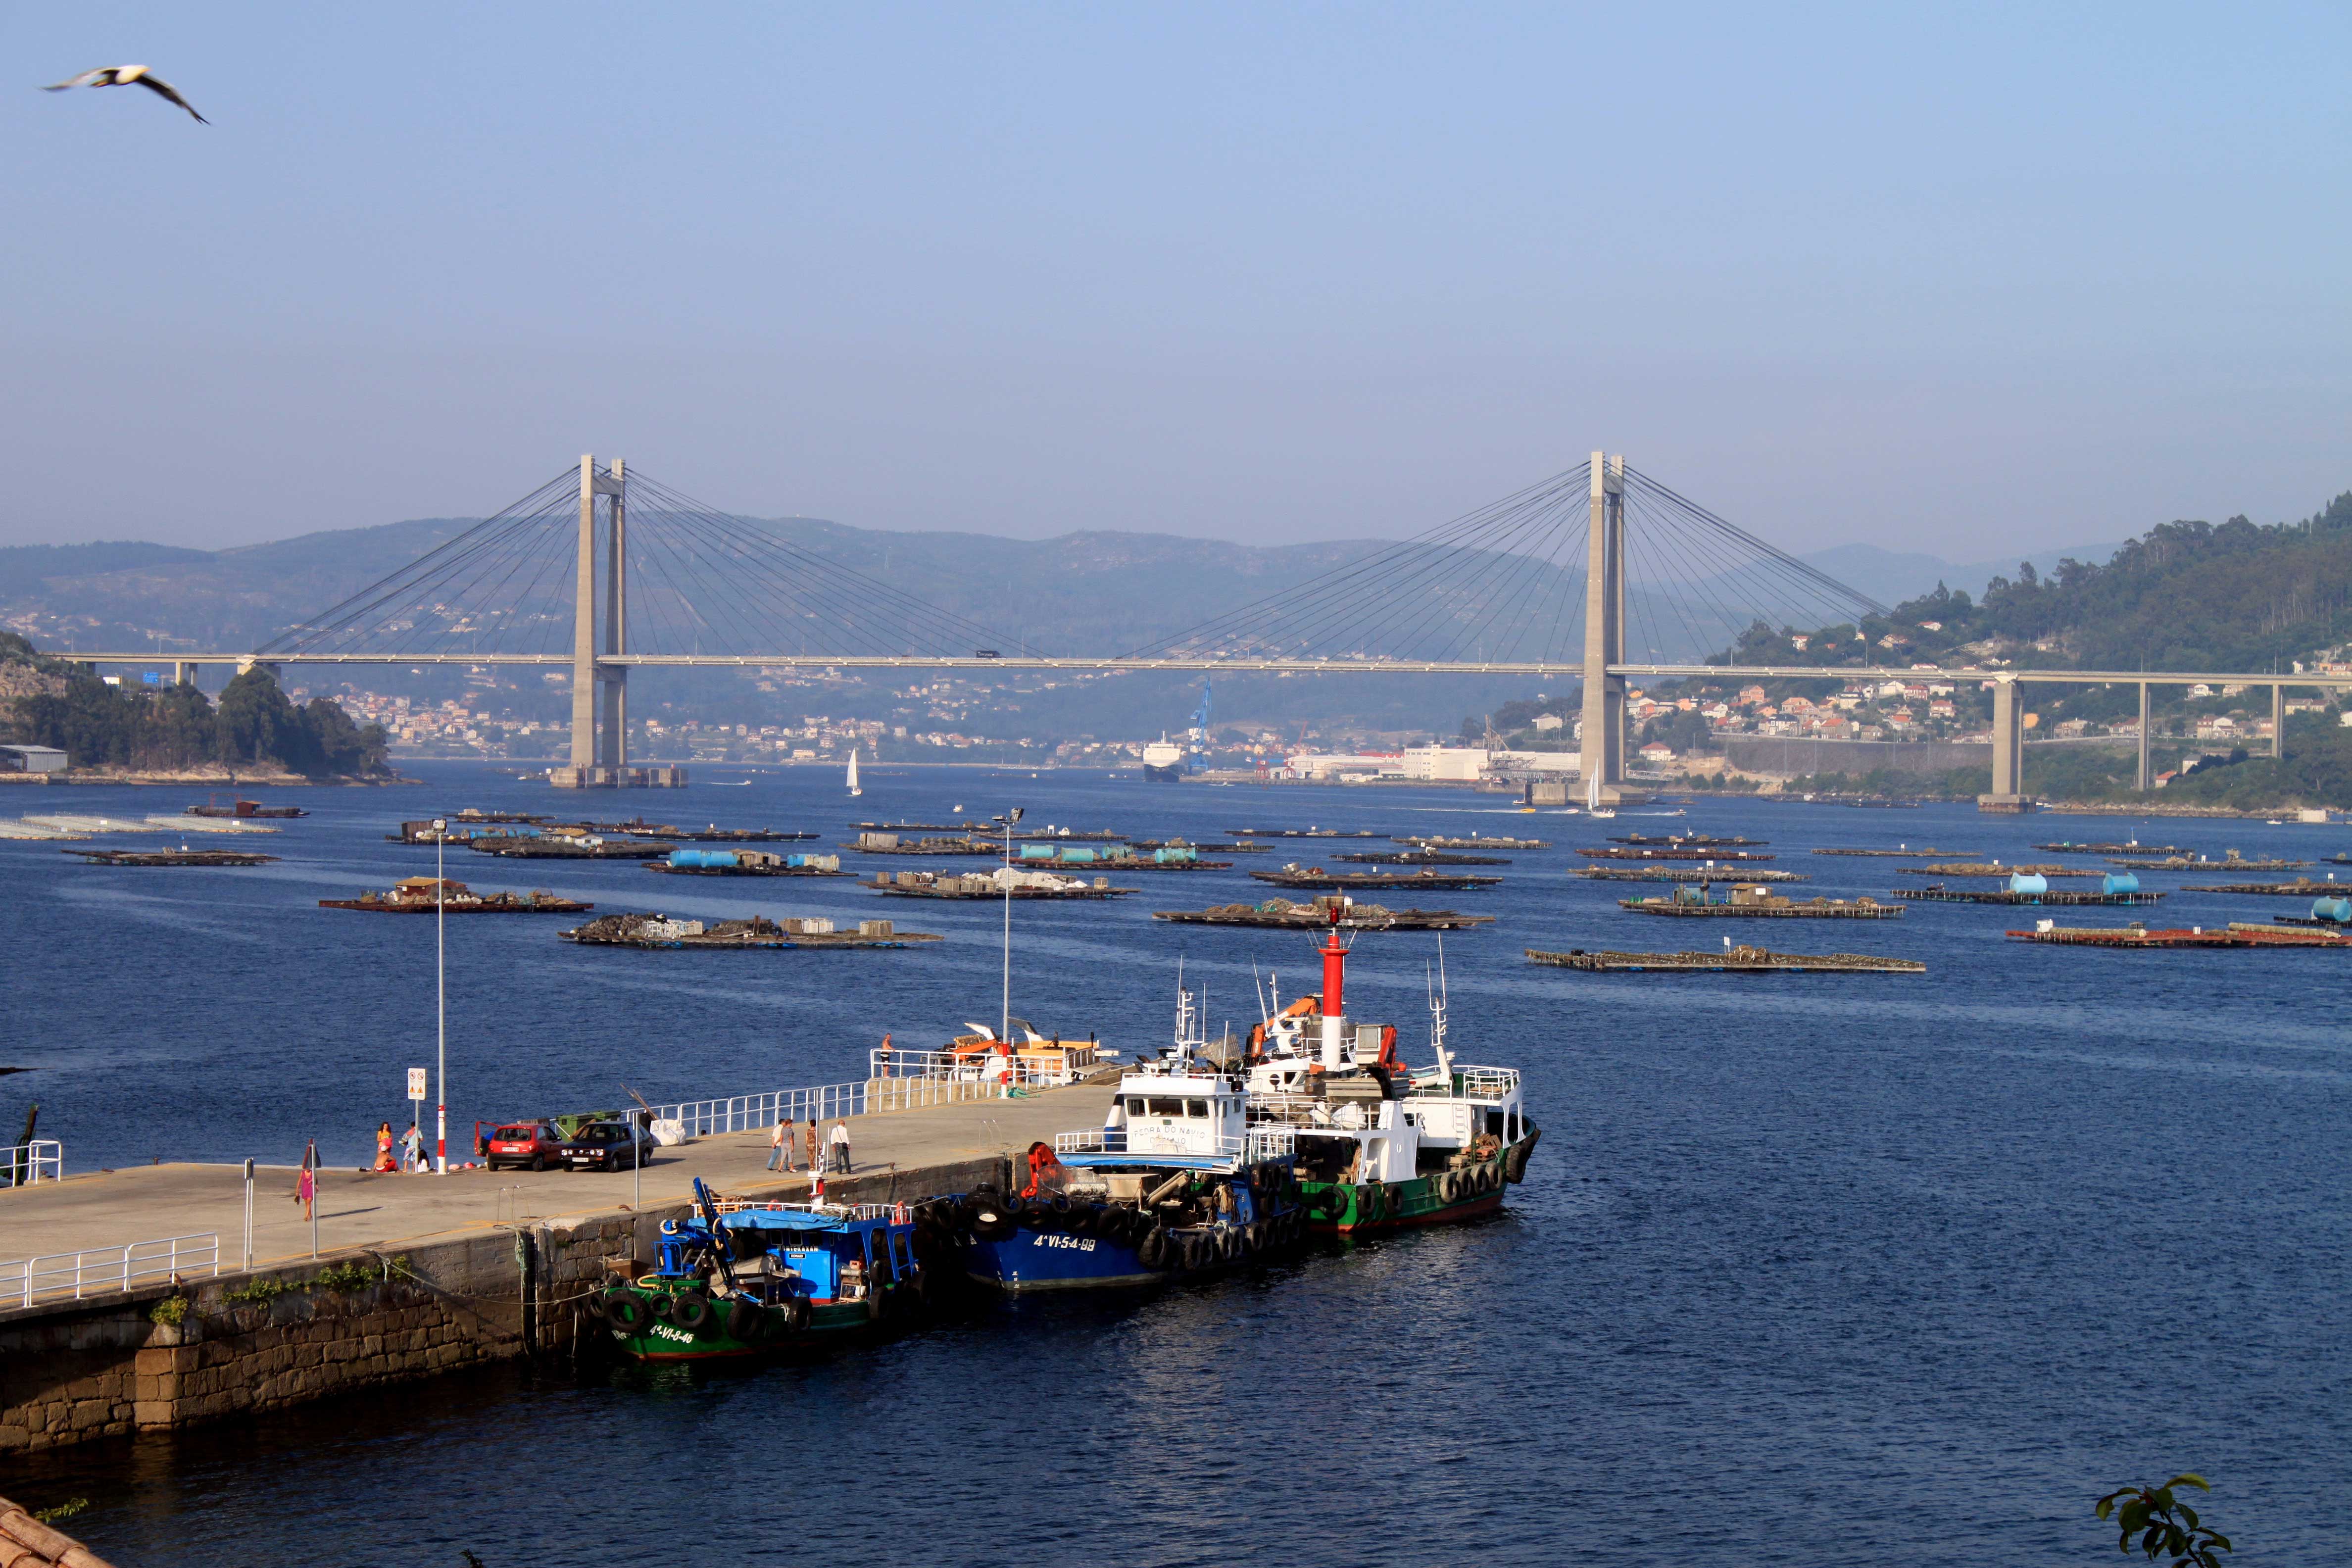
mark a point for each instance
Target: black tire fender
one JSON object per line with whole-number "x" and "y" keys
{"x": 746, "y": 1320}
{"x": 689, "y": 1310}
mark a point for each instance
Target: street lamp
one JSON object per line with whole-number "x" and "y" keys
{"x": 441, "y": 996}
{"x": 1004, "y": 1029}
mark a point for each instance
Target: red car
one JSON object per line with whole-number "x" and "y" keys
{"x": 517, "y": 1145}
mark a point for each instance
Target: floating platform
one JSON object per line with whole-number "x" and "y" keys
{"x": 1690, "y": 841}
{"x": 1721, "y": 858}
{"x": 2126, "y": 848}
{"x": 33, "y": 830}
{"x": 1739, "y": 960}
{"x": 1919, "y": 853}
{"x": 68, "y": 822}
{"x": 1664, "y": 872}
{"x": 415, "y": 896}
{"x": 220, "y": 824}
{"x": 879, "y": 843}
{"x": 515, "y": 848}
{"x": 746, "y": 863}
{"x": 1199, "y": 848}
{"x": 1373, "y": 881}
{"x": 1303, "y": 833}
{"x": 2301, "y": 887}
{"x": 1965, "y": 869}
{"x": 2227, "y": 863}
{"x": 2140, "y": 936}
{"x": 1475, "y": 841}
{"x": 1284, "y": 914}
{"x": 1937, "y": 893}
{"x": 919, "y": 827}
{"x": 1419, "y": 858}
{"x": 170, "y": 856}
{"x": 981, "y": 885}
{"x": 1754, "y": 903}
{"x": 658, "y": 930}
{"x": 245, "y": 808}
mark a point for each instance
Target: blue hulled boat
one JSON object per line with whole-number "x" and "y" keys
{"x": 1177, "y": 1184}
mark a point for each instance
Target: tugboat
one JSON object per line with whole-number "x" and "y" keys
{"x": 1175, "y": 1184}
{"x": 743, "y": 1278}
{"x": 1379, "y": 1145}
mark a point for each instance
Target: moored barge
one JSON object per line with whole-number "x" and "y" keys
{"x": 170, "y": 856}
{"x": 1372, "y": 881}
{"x": 1354, "y": 915}
{"x": 655, "y": 930}
{"x": 1749, "y": 901}
{"x": 426, "y": 895}
{"x": 1741, "y": 959}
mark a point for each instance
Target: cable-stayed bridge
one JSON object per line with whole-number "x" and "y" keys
{"x": 1601, "y": 573}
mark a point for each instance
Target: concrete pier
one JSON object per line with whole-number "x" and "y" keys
{"x": 421, "y": 1274}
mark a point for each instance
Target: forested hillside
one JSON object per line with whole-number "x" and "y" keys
{"x": 2185, "y": 596}
{"x": 174, "y": 728}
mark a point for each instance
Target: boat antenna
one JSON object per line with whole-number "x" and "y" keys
{"x": 1438, "y": 1017}
{"x": 1257, "y": 989}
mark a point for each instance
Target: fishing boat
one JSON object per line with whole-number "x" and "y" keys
{"x": 741, "y": 1279}
{"x": 854, "y": 788}
{"x": 1378, "y": 1144}
{"x": 1175, "y": 1184}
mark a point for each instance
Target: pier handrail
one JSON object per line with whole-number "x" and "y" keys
{"x": 978, "y": 1066}
{"x": 28, "y": 1280}
{"x": 1257, "y": 1143}
{"x": 23, "y": 1164}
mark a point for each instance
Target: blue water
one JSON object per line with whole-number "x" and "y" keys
{"x": 1817, "y": 1271}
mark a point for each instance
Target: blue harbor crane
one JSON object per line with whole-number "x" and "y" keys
{"x": 1166, "y": 761}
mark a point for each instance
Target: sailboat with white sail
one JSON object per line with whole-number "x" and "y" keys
{"x": 854, "y": 788}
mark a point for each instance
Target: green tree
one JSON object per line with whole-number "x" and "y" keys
{"x": 2165, "y": 1525}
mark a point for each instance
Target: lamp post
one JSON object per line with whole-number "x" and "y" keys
{"x": 1004, "y": 1028}
{"x": 441, "y": 996}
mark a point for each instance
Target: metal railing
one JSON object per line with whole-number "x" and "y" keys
{"x": 757, "y": 1112}
{"x": 1257, "y": 1143}
{"x": 80, "y": 1274}
{"x": 1467, "y": 1083}
{"x": 977, "y": 1066}
{"x": 904, "y": 1080}
{"x": 23, "y": 1164}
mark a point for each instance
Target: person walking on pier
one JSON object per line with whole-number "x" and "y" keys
{"x": 837, "y": 1157}
{"x": 780, "y": 1145}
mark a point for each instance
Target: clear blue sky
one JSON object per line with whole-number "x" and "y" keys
{"x": 1965, "y": 280}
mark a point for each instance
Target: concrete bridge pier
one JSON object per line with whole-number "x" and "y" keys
{"x": 2146, "y": 779}
{"x": 2007, "y": 793}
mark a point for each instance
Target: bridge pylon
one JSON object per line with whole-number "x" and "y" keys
{"x": 1602, "y": 762}
{"x": 600, "y": 691}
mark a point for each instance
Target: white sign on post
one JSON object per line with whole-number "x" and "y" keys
{"x": 416, "y": 1083}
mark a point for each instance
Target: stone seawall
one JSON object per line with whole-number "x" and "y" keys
{"x": 167, "y": 1355}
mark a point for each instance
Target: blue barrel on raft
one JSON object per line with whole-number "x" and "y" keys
{"x": 2028, "y": 882}
{"x": 2335, "y": 910}
{"x": 2119, "y": 882}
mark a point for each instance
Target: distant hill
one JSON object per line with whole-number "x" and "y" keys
{"x": 1891, "y": 576}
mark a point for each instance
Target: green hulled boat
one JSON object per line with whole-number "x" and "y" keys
{"x": 743, "y": 1278}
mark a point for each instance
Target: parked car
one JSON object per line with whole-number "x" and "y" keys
{"x": 522, "y": 1145}
{"x": 607, "y": 1146}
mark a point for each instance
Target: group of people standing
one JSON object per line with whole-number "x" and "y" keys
{"x": 405, "y": 1153}
{"x": 830, "y": 1158}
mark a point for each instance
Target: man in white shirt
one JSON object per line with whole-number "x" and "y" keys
{"x": 837, "y": 1154}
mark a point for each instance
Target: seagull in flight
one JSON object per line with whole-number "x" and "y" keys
{"x": 124, "y": 76}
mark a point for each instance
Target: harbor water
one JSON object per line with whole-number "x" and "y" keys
{"x": 1809, "y": 1269}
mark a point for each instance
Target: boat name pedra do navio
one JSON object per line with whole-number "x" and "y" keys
{"x": 1176, "y": 1184}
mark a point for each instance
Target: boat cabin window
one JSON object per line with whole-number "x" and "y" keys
{"x": 1162, "y": 1105}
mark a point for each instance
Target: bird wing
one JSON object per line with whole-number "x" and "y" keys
{"x": 82, "y": 80}
{"x": 157, "y": 84}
